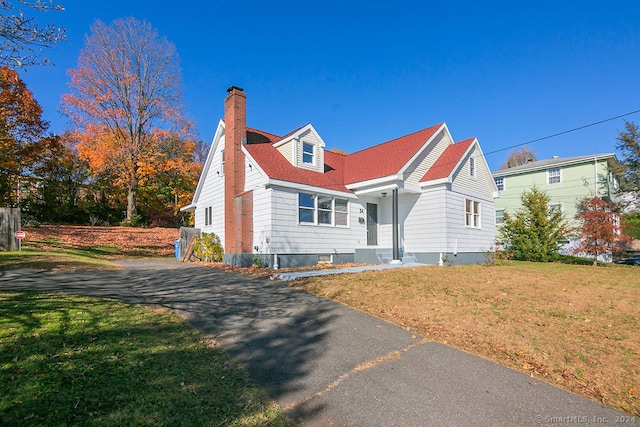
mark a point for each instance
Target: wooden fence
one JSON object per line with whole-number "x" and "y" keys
{"x": 9, "y": 224}
{"x": 186, "y": 242}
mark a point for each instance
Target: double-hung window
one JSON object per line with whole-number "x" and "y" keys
{"x": 306, "y": 208}
{"x": 342, "y": 212}
{"x": 554, "y": 208}
{"x": 325, "y": 210}
{"x": 472, "y": 213}
{"x": 322, "y": 210}
{"x": 499, "y": 216}
{"x": 554, "y": 176}
{"x": 307, "y": 153}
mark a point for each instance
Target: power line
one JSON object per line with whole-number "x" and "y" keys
{"x": 563, "y": 132}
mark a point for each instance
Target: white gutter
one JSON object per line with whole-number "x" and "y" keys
{"x": 309, "y": 188}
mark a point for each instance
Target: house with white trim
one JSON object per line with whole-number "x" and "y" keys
{"x": 565, "y": 180}
{"x": 287, "y": 201}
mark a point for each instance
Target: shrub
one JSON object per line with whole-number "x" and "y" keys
{"x": 497, "y": 254}
{"x": 207, "y": 247}
{"x": 535, "y": 231}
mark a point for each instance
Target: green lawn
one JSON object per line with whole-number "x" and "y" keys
{"x": 69, "y": 259}
{"x": 92, "y": 362}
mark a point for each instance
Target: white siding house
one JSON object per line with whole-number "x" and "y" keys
{"x": 417, "y": 198}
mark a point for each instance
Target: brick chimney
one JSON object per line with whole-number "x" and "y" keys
{"x": 237, "y": 203}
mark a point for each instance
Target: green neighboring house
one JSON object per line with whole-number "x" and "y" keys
{"x": 565, "y": 180}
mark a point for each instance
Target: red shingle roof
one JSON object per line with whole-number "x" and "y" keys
{"x": 387, "y": 158}
{"x": 276, "y": 166}
{"x": 448, "y": 160}
{"x": 378, "y": 161}
{"x": 271, "y": 137}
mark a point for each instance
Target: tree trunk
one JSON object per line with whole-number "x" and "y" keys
{"x": 132, "y": 199}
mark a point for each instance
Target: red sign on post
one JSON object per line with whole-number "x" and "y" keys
{"x": 20, "y": 235}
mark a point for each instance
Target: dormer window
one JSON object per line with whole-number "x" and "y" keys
{"x": 307, "y": 153}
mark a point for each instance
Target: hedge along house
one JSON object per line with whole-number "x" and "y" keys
{"x": 286, "y": 201}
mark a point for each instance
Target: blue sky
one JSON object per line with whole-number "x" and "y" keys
{"x": 365, "y": 72}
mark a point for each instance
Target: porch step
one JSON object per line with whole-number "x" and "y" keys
{"x": 409, "y": 259}
{"x": 385, "y": 255}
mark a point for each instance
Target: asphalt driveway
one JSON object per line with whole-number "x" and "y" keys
{"x": 325, "y": 363}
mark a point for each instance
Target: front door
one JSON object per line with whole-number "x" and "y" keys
{"x": 372, "y": 224}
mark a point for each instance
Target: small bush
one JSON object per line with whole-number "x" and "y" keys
{"x": 207, "y": 247}
{"x": 136, "y": 221}
{"x": 577, "y": 260}
{"x": 497, "y": 254}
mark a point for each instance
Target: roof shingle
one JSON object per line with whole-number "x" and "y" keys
{"x": 445, "y": 164}
{"x": 387, "y": 158}
{"x": 378, "y": 161}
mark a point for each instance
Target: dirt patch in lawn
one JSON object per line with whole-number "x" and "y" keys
{"x": 574, "y": 326}
{"x": 108, "y": 242}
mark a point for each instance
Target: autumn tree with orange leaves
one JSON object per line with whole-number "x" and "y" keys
{"x": 125, "y": 101}
{"x": 600, "y": 231}
{"x": 24, "y": 142}
{"x": 170, "y": 184}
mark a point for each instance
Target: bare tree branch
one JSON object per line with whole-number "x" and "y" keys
{"x": 20, "y": 33}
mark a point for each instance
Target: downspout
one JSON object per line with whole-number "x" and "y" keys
{"x": 395, "y": 231}
{"x": 595, "y": 175}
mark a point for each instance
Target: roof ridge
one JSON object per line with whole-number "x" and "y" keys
{"x": 552, "y": 160}
{"x": 395, "y": 139}
{"x": 294, "y": 131}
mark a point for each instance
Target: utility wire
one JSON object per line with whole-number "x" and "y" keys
{"x": 563, "y": 132}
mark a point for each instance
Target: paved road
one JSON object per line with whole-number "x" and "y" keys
{"x": 325, "y": 363}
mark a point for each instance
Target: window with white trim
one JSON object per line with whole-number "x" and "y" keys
{"x": 308, "y": 152}
{"x": 472, "y": 213}
{"x": 306, "y": 208}
{"x": 341, "y": 212}
{"x": 472, "y": 167}
{"x": 499, "y": 183}
{"x": 322, "y": 210}
{"x": 222, "y": 162}
{"x": 325, "y": 259}
{"x": 554, "y": 176}
{"x": 499, "y": 216}
{"x": 208, "y": 216}
{"x": 325, "y": 209}
{"x": 555, "y": 207}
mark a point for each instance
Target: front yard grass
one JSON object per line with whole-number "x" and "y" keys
{"x": 574, "y": 326}
{"x": 59, "y": 259}
{"x": 92, "y": 362}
